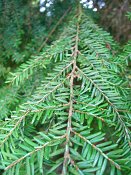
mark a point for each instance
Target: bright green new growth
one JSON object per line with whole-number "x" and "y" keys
{"x": 77, "y": 120}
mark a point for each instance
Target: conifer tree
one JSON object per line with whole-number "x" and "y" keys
{"x": 75, "y": 116}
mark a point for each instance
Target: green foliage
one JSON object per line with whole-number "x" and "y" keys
{"x": 129, "y": 15}
{"x": 76, "y": 119}
{"x": 125, "y": 56}
{"x": 21, "y": 29}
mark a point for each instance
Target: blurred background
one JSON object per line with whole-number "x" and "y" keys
{"x": 112, "y": 14}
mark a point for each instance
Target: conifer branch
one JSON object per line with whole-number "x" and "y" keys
{"x": 97, "y": 149}
{"x": 53, "y": 90}
{"x": 126, "y": 130}
{"x": 61, "y": 124}
{"x": 16, "y": 125}
{"x": 82, "y": 112}
{"x": 49, "y": 107}
{"x": 34, "y": 151}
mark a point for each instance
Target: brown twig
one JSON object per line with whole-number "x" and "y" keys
{"x": 72, "y": 76}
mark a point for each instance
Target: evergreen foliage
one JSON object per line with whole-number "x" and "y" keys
{"x": 74, "y": 116}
